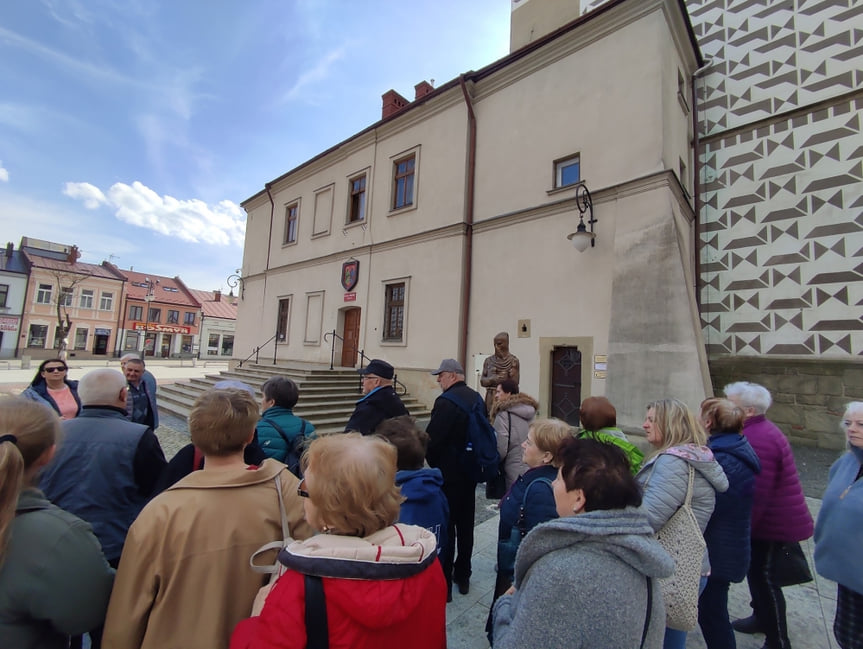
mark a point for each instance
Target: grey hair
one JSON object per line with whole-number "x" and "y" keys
{"x": 101, "y": 387}
{"x": 852, "y": 407}
{"x": 750, "y": 395}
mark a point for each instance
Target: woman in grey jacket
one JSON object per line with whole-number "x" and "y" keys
{"x": 590, "y": 576}
{"x": 680, "y": 443}
{"x": 511, "y": 416}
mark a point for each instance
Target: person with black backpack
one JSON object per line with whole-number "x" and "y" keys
{"x": 458, "y": 446}
{"x": 281, "y": 433}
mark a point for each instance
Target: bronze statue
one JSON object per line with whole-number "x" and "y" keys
{"x": 502, "y": 365}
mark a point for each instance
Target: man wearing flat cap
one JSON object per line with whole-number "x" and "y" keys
{"x": 379, "y": 401}
{"x": 448, "y": 436}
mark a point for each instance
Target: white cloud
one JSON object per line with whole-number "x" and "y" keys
{"x": 90, "y": 195}
{"x": 191, "y": 220}
{"x": 4, "y": 173}
{"x": 320, "y": 72}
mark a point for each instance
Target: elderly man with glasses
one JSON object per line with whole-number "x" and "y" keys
{"x": 379, "y": 401}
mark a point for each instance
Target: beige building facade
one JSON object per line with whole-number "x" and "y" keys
{"x": 446, "y": 222}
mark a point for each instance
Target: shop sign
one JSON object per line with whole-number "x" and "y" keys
{"x": 160, "y": 328}
{"x": 8, "y": 324}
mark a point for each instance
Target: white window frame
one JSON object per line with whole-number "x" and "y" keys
{"x": 106, "y": 301}
{"x": 562, "y": 164}
{"x": 44, "y": 293}
{"x": 86, "y": 298}
{"x": 286, "y": 241}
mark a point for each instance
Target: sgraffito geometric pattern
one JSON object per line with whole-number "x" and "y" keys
{"x": 780, "y": 116}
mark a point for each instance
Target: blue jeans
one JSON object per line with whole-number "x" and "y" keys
{"x": 675, "y": 639}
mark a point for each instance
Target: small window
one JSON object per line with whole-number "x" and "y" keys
{"x": 394, "y": 312}
{"x": 43, "y": 296}
{"x": 567, "y": 172}
{"x": 66, "y": 297}
{"x": 292, "y": 212}
{"x": 227, "y": 345}
{"x": 403, "y": 182}
{"x": 173, "y": 317}
{"x": 106, "y": 303}
{"x": 189, "y": 318}
{"x": 81, "y": 338}
{"x": 282, "y": 321}
{"x": 136, "y": 313}
{"x": 154, "y": 315}
{"x": 4, "y": 294}
{"x": 86, "y": 298}
{"x": 357, "y": 211}
{"x": 37, "y": 335}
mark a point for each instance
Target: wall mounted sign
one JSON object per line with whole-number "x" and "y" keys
{"x": 166, "y": 329}
{"x": 350, "y": 297}
{"x": 350, "y": 274}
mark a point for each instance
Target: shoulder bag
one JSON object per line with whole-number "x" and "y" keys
{"x": 682, "y": 539}
{"x": 495, "y": 489}
{"x": 787, "y": 565}
{"x": 276, "y": 569}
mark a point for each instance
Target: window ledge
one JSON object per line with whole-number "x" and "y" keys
{"x": 401, "y": 210}
{"x": 288, "y": 244}
{"x": 355, "y": 224}
{"x": 394, "y": 343}
{"x": 561, "y": 190}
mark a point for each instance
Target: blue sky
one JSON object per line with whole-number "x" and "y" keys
{"x": 135, "y": 128}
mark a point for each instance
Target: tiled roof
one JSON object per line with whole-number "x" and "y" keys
{"x": 225, "y": 308}
{"x": 17, "y": 263}
{"x": 80, "y": 268}
{"x": 166, "y": 290}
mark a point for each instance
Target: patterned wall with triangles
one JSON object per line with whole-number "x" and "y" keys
{"x": 781, "y": 122}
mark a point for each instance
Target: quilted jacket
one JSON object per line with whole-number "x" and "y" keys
{"x": 665, "y": 478}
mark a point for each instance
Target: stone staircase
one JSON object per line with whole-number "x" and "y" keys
{"x": 327, "y": 397}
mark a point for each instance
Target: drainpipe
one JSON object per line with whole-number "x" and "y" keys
{"x": 270, "y": 234}
{"x": 696, "y": 183}
{"x": 467, "y": 261}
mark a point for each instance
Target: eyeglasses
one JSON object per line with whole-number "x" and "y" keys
{"x": 54, "y": 369}
{"x": 301, "y": 489}
{"x": 369, "y": 376}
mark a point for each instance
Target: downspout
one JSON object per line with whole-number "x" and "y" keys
{"x": 696, "y": 183}
{"x": 467, "y": 261}
{"x": 267, "y": 272}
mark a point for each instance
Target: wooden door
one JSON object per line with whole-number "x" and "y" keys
{"x": 566, "y": 384}
{"x": 351, "y": 335}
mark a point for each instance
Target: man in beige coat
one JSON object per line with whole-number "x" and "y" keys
{"x": 184, "y": 578}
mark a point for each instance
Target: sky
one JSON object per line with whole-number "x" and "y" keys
{"x": 135, "y": 128}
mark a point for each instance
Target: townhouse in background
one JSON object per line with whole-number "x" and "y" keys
{"x": 445, "y": 222}
{"x": 112, "y": 311}
{"x": 218, "y": 323}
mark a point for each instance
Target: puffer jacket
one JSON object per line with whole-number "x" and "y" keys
{"x": 664, "y": 478}
{"x": 384, "y": 590}
{"x": 272, "y": 442}
{"x": 727, "y": 534}
{"x": 779, "y": 511}
{"x": 512, "y": 417}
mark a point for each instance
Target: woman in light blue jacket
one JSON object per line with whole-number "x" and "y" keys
{"x": 839, "y": 530}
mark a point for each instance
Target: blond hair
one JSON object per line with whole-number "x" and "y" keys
{"x": 723, "y": 414}
{"x": 222, "y": 421}
{"x": 676, "y": 424}
{"x": 35, "y": 428}
{"x": 354, "y": 488}
{"x": 548, "y": 433}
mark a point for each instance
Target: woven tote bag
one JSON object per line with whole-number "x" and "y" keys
{"x": 682, "y": 539}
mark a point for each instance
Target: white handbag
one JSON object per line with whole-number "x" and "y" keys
{"x": 682, "y": 539}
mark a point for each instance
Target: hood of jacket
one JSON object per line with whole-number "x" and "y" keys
{"x": 420, "y": 484}
{"x": 373, "y": 571}
{"x": 736, "y": 445}
{"x": 521, "y": 405}
{"x": 624, "y": 533}
{"x": 699, "y": 458}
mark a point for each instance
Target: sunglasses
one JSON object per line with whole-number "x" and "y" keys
{"x": 301, "y": 489}
{"x": 54, "y": 369}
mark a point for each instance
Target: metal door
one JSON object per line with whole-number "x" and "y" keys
{"x": 566, "y": 384}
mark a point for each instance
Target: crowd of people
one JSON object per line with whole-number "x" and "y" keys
{"x": 263, "y": 533}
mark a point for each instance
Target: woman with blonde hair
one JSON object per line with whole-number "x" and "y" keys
{"x": 679, "y": 444}
{"x": 54, "y": 580}
{"x": 530, "y": 500}
{"x": 365, "y": 580}
{"x": 727, "y": 534}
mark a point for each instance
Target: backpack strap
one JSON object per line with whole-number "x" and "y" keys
{"x": 317, "y": 634}
{"x": 647, "y": 614}
{"x": 454, "y": 399}
{"x": 509, "y": 433}
{"x": 280, "y": 431}
{"x": 521, "y": 516}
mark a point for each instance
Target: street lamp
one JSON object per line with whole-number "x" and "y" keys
{"x": 148, "y": 299}
{"x": 237, "y": 280}
{"x": 581, "y": 237}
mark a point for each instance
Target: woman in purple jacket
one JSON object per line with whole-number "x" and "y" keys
{"x": 779, "y": 513}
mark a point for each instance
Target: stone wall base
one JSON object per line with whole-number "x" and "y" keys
{"x": 809, "y": 396}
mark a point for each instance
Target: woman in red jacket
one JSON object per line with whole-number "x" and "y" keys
{"x": 364, "y": 581}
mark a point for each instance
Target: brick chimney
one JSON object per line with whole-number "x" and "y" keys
{"x": 217, "y": 296}
{"x": 422, "y": 89}
{"x": 393, "y": 102}
{"x": 10, "y": 247}
{"x": 74, "y": 255}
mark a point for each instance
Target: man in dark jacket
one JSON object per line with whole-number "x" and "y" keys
{"x": 380, "y": 401}
{"x": 448, "y": 437}
{"x": 106, "y": 469}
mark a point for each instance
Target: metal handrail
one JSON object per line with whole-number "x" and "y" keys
{"x": 257, "y": 350}
{"x": 396, "y": 383}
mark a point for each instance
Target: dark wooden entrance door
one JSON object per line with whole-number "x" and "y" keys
{"x": 351, "y": 335}
{"x": 566, "y": 384}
